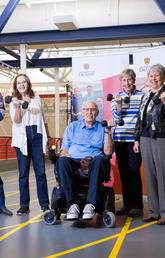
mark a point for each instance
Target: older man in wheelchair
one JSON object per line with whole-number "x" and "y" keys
{"x": 86, "y": 146}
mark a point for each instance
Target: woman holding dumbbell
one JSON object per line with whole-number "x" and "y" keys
{"x": 128, "y": 161}
{"x": 150, "y": 140}
{"x": 29, "y": 138}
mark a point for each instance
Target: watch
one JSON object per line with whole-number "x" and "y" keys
{"x": 109, "y": 132}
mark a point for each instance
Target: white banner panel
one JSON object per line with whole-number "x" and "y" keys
{"x": 143, "y": 60}
{"x": 94, "y": 77}
{"x": 93, "y": 68}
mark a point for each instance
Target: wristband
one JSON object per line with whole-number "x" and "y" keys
{"x": 108, "y": 133}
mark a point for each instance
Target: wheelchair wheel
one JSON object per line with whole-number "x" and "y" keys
{"x": 108, "y": 219}
{"x": 49, "y": 217}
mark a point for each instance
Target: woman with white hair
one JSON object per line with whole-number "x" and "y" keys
{"x": 150, "y": 140}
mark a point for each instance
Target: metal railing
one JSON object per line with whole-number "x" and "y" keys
{"x": 8, "y": 152}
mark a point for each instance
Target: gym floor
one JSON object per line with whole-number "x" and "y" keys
{"x": 28, "y": 236}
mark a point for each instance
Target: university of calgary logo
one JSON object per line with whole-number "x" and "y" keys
{"x": 86, "y": 72}
{"x": 147, "y": 60}
{"x": 86, "y": 66}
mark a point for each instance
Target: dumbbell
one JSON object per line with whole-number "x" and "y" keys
{"x": 126, "y": 99}
{"x": 120, "y": 122}
{"x": 25, "y": 104}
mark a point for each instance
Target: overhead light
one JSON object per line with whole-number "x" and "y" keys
{"x": 66, "y": 22}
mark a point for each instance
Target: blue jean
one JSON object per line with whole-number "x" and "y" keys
{"x": 65, "y": 168}
{"x": 35, "y": 153}
{"x": 2, "y": 195}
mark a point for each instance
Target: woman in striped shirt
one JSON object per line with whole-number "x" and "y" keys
{"x": 128, "y": 161}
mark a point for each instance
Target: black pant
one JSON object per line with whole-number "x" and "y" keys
{"x": 129, "y": 164}
{"x": 66, "y": 167}
{"x": 2, "y": 195}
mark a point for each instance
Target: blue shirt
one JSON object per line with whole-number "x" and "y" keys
{"x": 82, "y": 141}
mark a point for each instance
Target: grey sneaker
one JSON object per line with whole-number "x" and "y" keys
{"x": 88, "y": 211}
{"x": 73, "y": 212}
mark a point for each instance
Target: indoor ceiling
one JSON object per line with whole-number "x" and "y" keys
{"x": 86, "y": 27}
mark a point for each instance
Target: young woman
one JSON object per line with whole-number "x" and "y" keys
{"x": 29, "y": 138}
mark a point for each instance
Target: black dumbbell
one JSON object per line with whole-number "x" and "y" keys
{"x": 8, "y": 99}
{"x": 120, "y": 122}
{"x": 126, "y": 99}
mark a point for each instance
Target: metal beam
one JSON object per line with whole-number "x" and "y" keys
{"x": 7, "y": 12}
{"x": 37, "y": 54}
{"x": 13, "y": 54}
{"x": 43, "y": 63}
{"x": 122, "y": 32}
{"x": 161, "y": 5}
{"x": 10, "y": 52}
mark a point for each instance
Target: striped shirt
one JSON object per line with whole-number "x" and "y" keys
{"x": 128, "y": 113}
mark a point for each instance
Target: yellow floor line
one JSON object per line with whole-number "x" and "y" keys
{"x": 32, "y": 180}
{"x": 16, "y": 170}
{"x": 19, "y": 227}
{"x": 13, "y": 193}
{"x": 17, "y": 204}
{"x": 14, "y": 226}
{"x": 31, "y": 188}
{"x": 34, "y": 220}
{"x": 120, "y": 239}
{"x": 142, "y": 226}
{"x": 82, "y": 247}
{"x": 125, "y": 231}
{"x": 10, "y": 171}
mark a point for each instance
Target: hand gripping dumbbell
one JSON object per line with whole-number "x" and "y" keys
{"x": 126, "y": 99}
{"x": 120, "y": 122}
{"x": 25, "y": 104}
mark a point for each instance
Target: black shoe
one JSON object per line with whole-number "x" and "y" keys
{"x": 45, "y": 208}
{"x": 150, "y": 219}
{"x": 23, "y": 210}
{"x": 123, "y": 211}
{"x": 5, "y": 211}
{"x": 161, "y": 221}
{"x": 134, "y": 213}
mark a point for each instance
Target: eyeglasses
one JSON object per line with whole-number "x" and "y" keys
{"x": 90, "y": 109}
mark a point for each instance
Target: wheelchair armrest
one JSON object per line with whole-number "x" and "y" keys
{"x": 108, "y": 167}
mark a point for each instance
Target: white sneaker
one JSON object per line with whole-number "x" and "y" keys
{"x": 88, "y": 211}
{"x": 73, "y": 212}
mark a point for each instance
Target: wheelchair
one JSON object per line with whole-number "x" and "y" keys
{"x": 105, "y": 207}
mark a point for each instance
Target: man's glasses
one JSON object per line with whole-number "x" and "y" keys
{"x": 90, "y": 109}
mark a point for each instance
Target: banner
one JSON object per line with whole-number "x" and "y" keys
{"x": 143, "y": 60}
{"x": 93, "y": 78}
